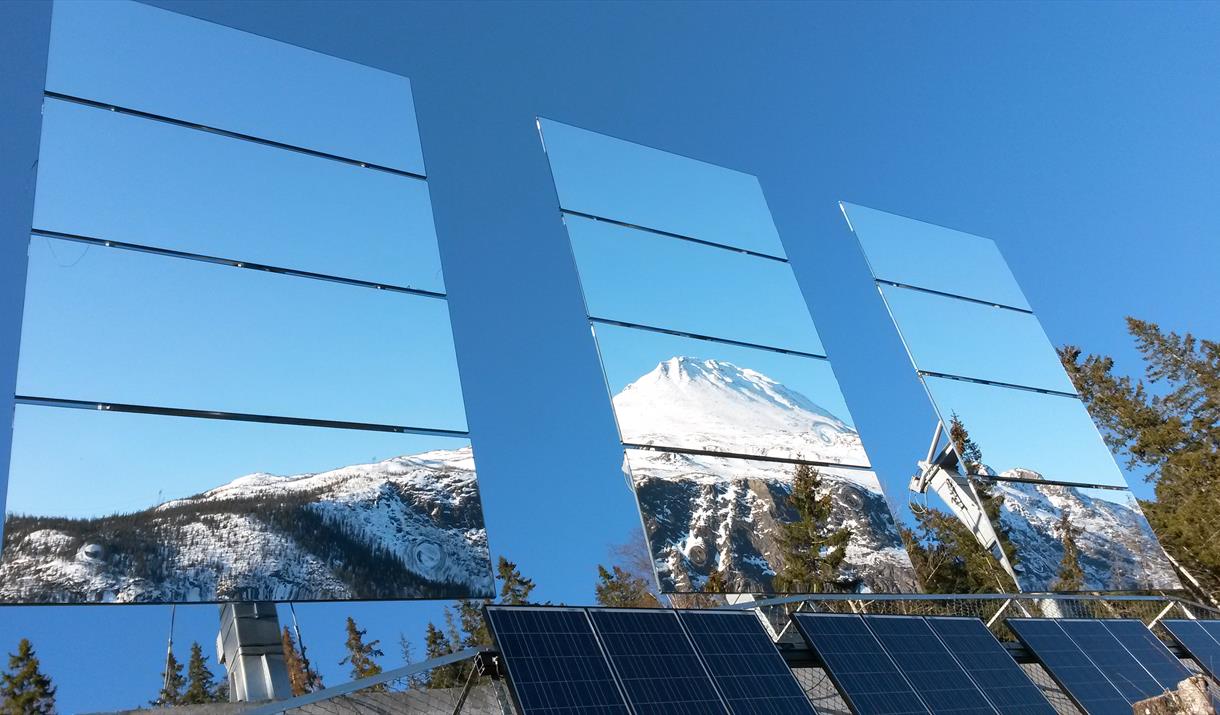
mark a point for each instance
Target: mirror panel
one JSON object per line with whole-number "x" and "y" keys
{"x": 914, "y": 253}
{"x": 967, "y": 339}
{"x": 685, "y": 393}
{"x": 635, "y": 184}
{"x": 111, "y": 325}
{"x": 1028, "y": 435}
{"x": 648, "y": 279}
{"x": 121, "y": 178}
{"x": 107, "y": 506}
{"x": 136, "y": 56}
{"x": 1118, "y": 549}
{"x": 691, "y": 505}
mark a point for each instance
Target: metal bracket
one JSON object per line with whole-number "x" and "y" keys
{"x": 939, "y": 473}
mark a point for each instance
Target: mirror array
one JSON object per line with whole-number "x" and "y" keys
{"x": 581, "y": 660}
{"x": 725, "y": 401}
{"x": 235, "y": 320}
{"x": 1020, "y": 430}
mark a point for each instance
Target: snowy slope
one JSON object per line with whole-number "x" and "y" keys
{"x": 405, "y": 527}
{"x": 1118, "y": 548}
{"x": 714, "y": 405}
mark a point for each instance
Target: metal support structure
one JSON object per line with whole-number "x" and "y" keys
{"x": 939, "y": 473}
{"x": 249, "y": 646}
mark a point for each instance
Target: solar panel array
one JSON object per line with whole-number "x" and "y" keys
{"x": 1105, "y": 666}
{"x": 1201, "y": 639}
{"x": 570, "y": 660}
{"x": 894, "y": 665}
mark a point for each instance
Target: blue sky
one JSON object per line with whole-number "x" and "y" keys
{"x": 1079, "y": 137}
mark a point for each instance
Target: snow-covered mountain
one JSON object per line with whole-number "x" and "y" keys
{"x": 406, "y": 527}
{"x": 706, "y": 513}
{"x": 1118, "y": 548}
{"x": 692, "y": 403}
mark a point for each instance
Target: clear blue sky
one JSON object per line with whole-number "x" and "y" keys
{"x": 1080, "y": 137}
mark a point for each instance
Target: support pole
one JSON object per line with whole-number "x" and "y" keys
{"x": 250, "y": 648}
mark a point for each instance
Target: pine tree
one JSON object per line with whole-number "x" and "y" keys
{"x": 1071, "y": 575}
{"x": 1166, "y": 424}
{"x": 24, "y": 688}
{"x": 361, "y": 656}
{"x": 437, "y": 644}
{"x": 620, "y": 589}
{"x": 301, "y": 675}
{"x": 200, "y": 683}
{"x": 515, "y": 589}
{"x": 810, "y": 555}
{"x": 171, "y": 683}
{"x": 715, "y": 582}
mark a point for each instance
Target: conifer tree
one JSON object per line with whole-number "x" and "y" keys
{"x": 619, "y": 589}
{"x": 1167, "y": 425}
{"x": 515, "y": 589}
{"x": 301, "y": 675}
{"x": 361, "y": 656}
{"x": 24, "y": 688}
{"x": 437, "y": 644}
{"x": 810, "y": 554}
{"x": 715, "y": 582}
{"x": 200, "y": 683}
{"x": 171, "y": 683}
{"x": 1071, "y": 575}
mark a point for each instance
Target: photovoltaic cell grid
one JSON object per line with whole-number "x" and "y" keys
{"x": 1121, "y": 667}
{"x": 1074, "y": 671}
{"x": 743, "y": 661}
{"x": 991, "y": 667}
{"x": 930, "y": 668}
{"x": 1201, "y": 639}
{"x": 656, "y": 664}
{"x": 1149, "y": 651}
{"x": 858, "y": 665}
{"x": 555, "y": 664}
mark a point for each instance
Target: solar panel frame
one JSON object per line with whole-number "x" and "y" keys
{"x": 526, "y": 662}
{"x": 1142, "y": 643}
{"x": 990, "y": 665}
{"x": 1065, "y": 663}
{"x": 748, "y": 669}
{"x": 935, "y": 675}
{"x": 1201, "y": 642}
{"x": 844, "y": 665}
{"x": 655, "y": 662}
{"x": 1119, "y": 665}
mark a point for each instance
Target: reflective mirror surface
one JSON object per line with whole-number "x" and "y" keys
{"x": 677, "y": 392}
{"x": 704, "y": 514}
{"x": 650, "y": 279}
{"x": 965, "y": 339}
{"x": 113, "y": 507}
{"x": 144, "y": 58}
{"x": 1028, "y": 435}
{"x": 112, "y": 325}
{"x": 122, "y": 178}
{"x": 903, "y": 250}
{"x": 623, "y": 181}
{"x": 1118, "y": 549}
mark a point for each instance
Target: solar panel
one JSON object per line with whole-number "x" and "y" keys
{"x": 1204, "y": 646}
{"x": 1149, "y": 651}
{"x": 1079, "y": 677}
{"x": 932, "y": 671}
{"x": 865, "y": 675}
{"x": 1107, "y": 653}
{"x": 655, "y": 662}
{"x": 751, "y": 674}
{"x": 994, "y": 671}
{"x": 555, "y": 664}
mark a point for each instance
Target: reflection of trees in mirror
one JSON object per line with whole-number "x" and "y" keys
{"x": 812, "y": 556}
{"x": 1166, "y": 424}
{"x": 947, "y": 556}
{"x": 1071, "y": 575}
